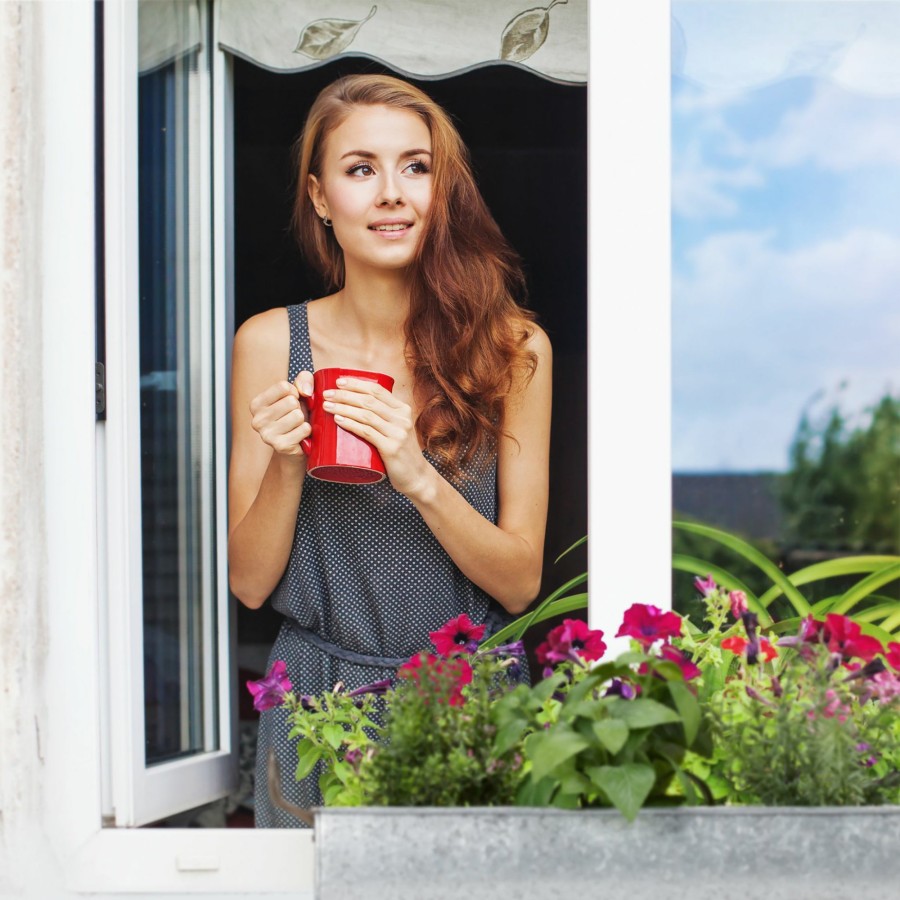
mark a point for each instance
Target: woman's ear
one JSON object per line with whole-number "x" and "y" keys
{"x": 314, "y": 189}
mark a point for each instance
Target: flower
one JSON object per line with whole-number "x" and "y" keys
{"x": 738, "y": 601}
{"x": 353, "y": 757}
{"x": 885, "y": 685}
{"x": 572, "y": 640}
{"x": 688, "y": 669}
{"x": 844, "y": 636}
{"x": 268, "y": 692}
{"x": 648, "y": 624}
{"x": 706, "y": 586}
{"x": 448, "y": 676}
{"x": 835, "y": 708}
{"x": 738, "y": 645}
{"x": 893, "y": 655}
{"x": 619, "y": 688}
{"x": 457, "y": 636}
{"x": 376, "y": 687}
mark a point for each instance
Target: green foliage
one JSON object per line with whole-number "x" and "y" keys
{"x": 842, "y": 490}
{"x": 585, "y": 746}
{"x": 330, "y": 727}
{"x": 441, "y": 749}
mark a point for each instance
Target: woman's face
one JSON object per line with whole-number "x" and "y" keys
{"x": 375, "y": 185}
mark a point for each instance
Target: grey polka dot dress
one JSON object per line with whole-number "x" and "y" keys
{"x": 365, "y": 583}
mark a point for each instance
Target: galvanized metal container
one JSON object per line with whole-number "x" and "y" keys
{"x": 752, "y": 853}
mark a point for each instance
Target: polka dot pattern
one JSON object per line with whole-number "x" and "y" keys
{"x": 366, "y": 574}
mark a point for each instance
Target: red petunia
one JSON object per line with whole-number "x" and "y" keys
{"x": 893, "y": 655}
{"x": 572, "y": 638}
{"x": 844, "y": 636}
{"x": 738, "y": 645}
{"x": 648, "y": 624}
{"x": 688, "y": 668}
{"x": 459, "y": 635}
{"x": 447, "y": 677}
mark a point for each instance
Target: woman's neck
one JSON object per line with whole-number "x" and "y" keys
{"x": 375, "y": 305}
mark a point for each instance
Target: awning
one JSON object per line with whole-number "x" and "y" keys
{"x": 167, "y": 29}
{"x": 419, "y": 38}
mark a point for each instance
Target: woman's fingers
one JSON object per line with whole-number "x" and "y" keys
{"x": 272, "y": 395}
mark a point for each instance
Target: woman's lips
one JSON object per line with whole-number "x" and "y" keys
{"x": 391, "y": 229}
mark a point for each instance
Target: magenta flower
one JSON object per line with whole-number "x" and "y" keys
{"x": 376, "y": 687}
{"x": 893, "y": 655}
{"x": 648, "y": 624}
{"x": 459, "y": 635}
{"x": 738, "y": 601}
{"x": 269, "y": 692}
{"x": 844, "y": 636}
{"x": 572, "y": 640}
{"x": 706, "y": 586}
{"x": 688, "y": 668}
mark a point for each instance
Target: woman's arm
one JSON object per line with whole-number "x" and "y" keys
{"x": 505, "y": 559}
{"x": 267, "y": 469}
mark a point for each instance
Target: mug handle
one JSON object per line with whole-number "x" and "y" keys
{"x": 306, "y": 443}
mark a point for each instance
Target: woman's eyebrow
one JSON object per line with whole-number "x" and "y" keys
{"x": 368, "y": 154}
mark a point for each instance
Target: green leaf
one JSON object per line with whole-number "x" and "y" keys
{"x": 750, "y": 553}
{"x": 536, "y": 793}
{"x": 509, "y": 735}
{"x": 334, "y": 734}
{"x": 643, "y": 713}
{"x": 688, "y": 708}
{"x": 568, "y": 550}
{"x": 551, "y": 748}
{"x": 867, "y": 586}
{"x": 627, "y": 786}
{"x": 612, "y": 734}
{"x": 684, "y": 563}
{"x": 308, "y": 754}
{"x": 342, "y": 771}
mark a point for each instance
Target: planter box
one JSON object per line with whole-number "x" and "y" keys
{"x": 751, "y": 853}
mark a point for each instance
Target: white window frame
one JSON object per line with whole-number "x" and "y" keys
{"x": 629, "y": 478}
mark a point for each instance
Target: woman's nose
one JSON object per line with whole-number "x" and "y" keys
{"x": 390, "y": 193}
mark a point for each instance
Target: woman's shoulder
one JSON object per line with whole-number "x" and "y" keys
{"x": 536, "y": 340}
{"x": 265, "y": 337}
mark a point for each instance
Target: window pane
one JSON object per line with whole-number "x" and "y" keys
{"x": 176, "y": 464}
{"x": 786, "y": 273}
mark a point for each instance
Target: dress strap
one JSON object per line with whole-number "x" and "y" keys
{"x": 301, "y": 351}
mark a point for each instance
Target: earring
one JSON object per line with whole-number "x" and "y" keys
{"x": 326, "y": 221}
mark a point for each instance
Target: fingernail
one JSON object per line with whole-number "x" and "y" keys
{"x": 328, "y": 393}
{"x": 340, "y": 382}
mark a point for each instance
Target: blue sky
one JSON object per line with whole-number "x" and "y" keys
{"x": 786, "y": 225}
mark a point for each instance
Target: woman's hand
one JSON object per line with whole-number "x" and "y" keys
{"x": 280, "y": 417}
{"x": 374, "y": 414}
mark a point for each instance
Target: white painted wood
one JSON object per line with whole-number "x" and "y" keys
{"x": 628, "y": 312}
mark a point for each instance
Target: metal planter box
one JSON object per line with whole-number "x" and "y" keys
{"x": 754, "y": 853}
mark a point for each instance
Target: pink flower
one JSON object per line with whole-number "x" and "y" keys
{"x": 571, "y": 640}
{"x": 459, "y": 635}
{"x": 738, "y": 603}
{"x": 446, "y": 676}
{"x": 269, "y": 692}
{"x": 835, "y": 708}
{"x": 885, "y": 686}
{"x": 648, "y": 624}
{"x": 706, "y": 586}
{"x": 673, "y": 654}
{"x": 844, "y": 636}
{"x": 893, "y": 655}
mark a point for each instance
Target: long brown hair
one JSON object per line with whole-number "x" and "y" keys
{"x": 466, "y": 330}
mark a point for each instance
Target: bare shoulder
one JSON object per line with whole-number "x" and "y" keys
{"x": 538, "y": 342}
{"x": 262, "y": 347}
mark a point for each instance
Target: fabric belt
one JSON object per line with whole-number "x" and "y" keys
{"x": 360, "y": 659}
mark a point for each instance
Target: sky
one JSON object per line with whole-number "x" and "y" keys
{"x": 785, "y": 223}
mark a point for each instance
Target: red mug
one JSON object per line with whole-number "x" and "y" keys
{"x": 333, "y": 454}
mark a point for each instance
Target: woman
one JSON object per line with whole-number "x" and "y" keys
{"x": 424, "y": 290}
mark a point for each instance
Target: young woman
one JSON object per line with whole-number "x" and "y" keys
{"x": 425, "y": 289}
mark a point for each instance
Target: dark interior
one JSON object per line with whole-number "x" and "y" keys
{"x": 528, "y": 141}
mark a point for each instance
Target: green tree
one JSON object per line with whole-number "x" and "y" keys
{"x": 842, "y": 491}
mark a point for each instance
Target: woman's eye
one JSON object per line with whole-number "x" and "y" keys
{"x": 360, "y": 169}
{"x": 417, "y": 167}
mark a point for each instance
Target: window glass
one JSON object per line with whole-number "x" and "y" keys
{"x": 786, "y": 275}
{"x": 175, "y": 387}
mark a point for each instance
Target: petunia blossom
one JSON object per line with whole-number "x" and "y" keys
{"x": 738, "y": 600}
{"x": 376, "y": 687}
{"x": 688, "y": 668}
{"x": 738, "y": 646}
{"x": 892, "y": 655}
{"x": 648, "y": 624}
{"x": 844, "y": 636}
{"x": 706, "y": 586}
{"x": 572, "y": 640}
{"x": 459, "y": 635}
{"x": 448, "y": 676}
{"x": 269, "y": 692}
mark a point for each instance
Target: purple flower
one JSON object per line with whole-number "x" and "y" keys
{"x": 354, "y": 757}
{"x": 376, "y": 687}
{"x": 738, "y": 603}
{"x": 269, "y": 692}
{"x": 619, "y": 688}
{"x": 706, "y": 586}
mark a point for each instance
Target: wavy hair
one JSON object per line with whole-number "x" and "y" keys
{"x": 466, "y": 331}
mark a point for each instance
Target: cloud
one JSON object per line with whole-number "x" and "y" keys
{"x": 702, "y": 191}
{"x": 837, "y": 131}
{"x": 758, "y": 330}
